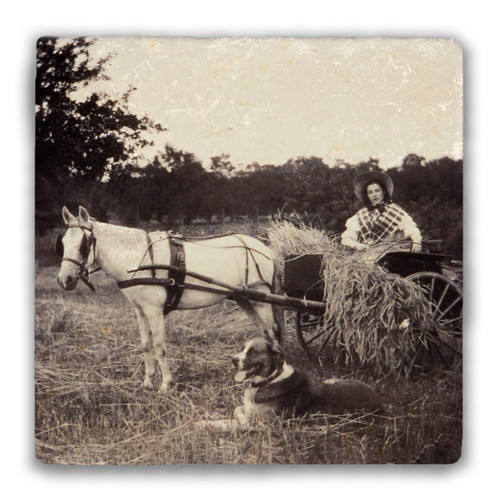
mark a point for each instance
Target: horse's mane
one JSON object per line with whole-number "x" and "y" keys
{"x": 117, "y": 230}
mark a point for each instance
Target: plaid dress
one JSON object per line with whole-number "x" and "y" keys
{"x": 374, "y": 225}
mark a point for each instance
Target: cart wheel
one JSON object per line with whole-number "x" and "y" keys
{"x": 445, "y": 308}
{"x": 313, "y": 335}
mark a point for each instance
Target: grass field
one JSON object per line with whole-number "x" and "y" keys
{"x": 90, "y": 407}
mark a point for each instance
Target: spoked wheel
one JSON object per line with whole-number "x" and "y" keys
{"x": 445, "y": 309}
{"x": 313, "y": 335}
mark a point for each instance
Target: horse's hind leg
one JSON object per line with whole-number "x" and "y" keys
{"x": 147, "y": 347}
{"x": 272, "y": 318}
{"x": 265, "y": 317}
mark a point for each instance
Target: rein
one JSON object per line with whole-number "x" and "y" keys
{"x": 198, "y": 240}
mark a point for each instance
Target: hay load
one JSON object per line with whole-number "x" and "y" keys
{"x": 378, "y": 319}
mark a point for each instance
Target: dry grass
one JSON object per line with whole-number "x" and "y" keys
{"x": 90, "y": 407}
{"x": 366, "y": 307}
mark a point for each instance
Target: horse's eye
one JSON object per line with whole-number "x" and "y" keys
{"x": 250, "y": 350}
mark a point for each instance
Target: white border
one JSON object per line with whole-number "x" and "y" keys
{"x": 475, "y": 26}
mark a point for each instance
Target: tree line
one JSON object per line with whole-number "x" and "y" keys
{"x": 86, "y": 154}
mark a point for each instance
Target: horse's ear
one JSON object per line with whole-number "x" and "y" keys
{"x": 67, "y": 217}
{"x": 84, "y": 215}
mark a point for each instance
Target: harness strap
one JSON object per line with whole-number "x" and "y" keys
{"x": 246, "y": 258}
{"x": 249, "y": 253}
{"x": 176, "y": 276}
{"x": 88, "y": 242}
{"x": 151, "y": 254}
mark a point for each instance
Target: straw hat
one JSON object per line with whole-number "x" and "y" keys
{"x": 362, "y": 180}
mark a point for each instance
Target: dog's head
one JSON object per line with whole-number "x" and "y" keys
{"x": 260, "y": 360}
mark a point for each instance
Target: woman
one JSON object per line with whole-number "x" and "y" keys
{"x": 380, "y": 219}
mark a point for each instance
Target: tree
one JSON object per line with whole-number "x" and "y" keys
{"x": 307, "y": 189}
{"x": 77, "y": 142}
{"x": 413, "y": 160}
{"x": 432, "y": 194}
{"x": 221, "y": 166}
{"x": 217, "y": 195}
{"x": 185, "y": 184}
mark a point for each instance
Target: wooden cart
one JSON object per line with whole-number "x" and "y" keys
{"x": 302, "y": 280}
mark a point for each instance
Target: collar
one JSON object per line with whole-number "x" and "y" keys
{"x": 378, "y": 208}
{"x": 269, "y": 378}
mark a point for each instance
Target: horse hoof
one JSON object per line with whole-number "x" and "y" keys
{"x": 148, "y": 385}
{"x": 165, "y": 388}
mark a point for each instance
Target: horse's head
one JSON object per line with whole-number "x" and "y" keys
{"x": 74, "y": 248}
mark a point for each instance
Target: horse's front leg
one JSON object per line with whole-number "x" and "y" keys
{"x": 146, "y": 346}
{"x": 157, "y": 324}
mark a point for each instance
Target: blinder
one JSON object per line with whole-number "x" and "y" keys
{"x": 85, "y": 245}
{"x": 58, "y": 246}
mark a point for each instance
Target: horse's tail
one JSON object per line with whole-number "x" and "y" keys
{"x": 278, "y": 314}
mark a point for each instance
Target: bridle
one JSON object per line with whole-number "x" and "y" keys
{"x": 88, "y": 244}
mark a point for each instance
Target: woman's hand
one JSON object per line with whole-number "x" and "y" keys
{"x": 416, "y": 247}
{"x": 361, "y": 246}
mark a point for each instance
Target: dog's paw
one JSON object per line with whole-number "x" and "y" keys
{"x": 224, "y": 424}
{"x": 331, "y": 380}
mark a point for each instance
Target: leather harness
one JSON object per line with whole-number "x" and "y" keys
{"x": 175, "y": 282}
{"x": 177, "y": 276}
{"x": 176, "y": 273}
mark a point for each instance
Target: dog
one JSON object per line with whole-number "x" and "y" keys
{"x": 275, "y": 388}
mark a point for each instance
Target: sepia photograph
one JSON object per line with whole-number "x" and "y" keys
{"x": 248, "y": 250}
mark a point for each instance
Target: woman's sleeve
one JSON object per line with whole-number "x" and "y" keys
{"x": 349, "y": 237}
{"x": 410, "y": 229}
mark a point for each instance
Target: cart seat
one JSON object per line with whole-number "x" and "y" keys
{"x": 406, "y": 263}
{"x": 303, "y": 277}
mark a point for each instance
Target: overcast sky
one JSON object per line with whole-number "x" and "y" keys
{"x": 271, "y": 99}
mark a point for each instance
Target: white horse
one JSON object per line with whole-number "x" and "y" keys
{"x": 239, "y": 260}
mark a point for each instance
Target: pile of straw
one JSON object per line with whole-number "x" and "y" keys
{"x": 378, "y": 319}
